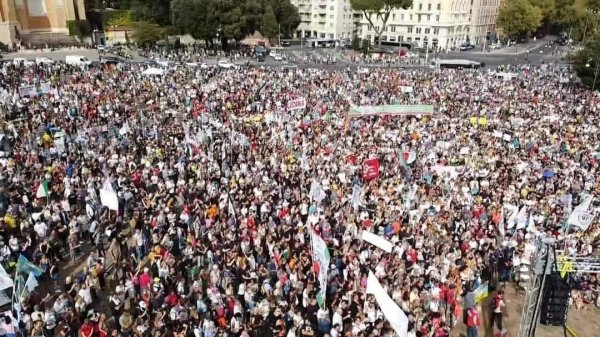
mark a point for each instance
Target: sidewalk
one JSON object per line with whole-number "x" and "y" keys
{"x": 517, "y": 49}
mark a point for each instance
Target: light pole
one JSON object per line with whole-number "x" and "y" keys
{"x": 588, "y": 13}
{"x": 596, "y": 69}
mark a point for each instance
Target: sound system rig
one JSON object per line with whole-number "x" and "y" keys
{"x": 555, "y": 301}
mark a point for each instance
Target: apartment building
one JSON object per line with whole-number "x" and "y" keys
{"x": 483, "y": 19}
{"x": 325, "y": 19}
{"x": 439, "y": 24}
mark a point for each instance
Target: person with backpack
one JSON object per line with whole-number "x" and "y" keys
{"x": 497, "y": 307}
{"x": 473, "y": 321}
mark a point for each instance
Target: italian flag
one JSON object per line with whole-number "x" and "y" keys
{"x": 43, "y": 191}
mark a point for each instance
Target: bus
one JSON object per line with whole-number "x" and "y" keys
{"x": 455, "y": 63}
{"x": 316, "y": 43}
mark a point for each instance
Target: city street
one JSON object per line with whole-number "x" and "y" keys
{"x": 542, "y": 52}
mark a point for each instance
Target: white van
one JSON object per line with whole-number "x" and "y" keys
{"x": 77, "y": 60}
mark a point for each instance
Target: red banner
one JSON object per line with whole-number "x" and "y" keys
{"x": 371, "y": 169}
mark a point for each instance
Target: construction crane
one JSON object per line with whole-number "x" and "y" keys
{"x": 546, "y": 260}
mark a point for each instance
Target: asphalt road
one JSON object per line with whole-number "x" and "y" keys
{"x": 542, "y": 53}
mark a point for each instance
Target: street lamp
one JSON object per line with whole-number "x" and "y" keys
{"x": 596, "y": 69}
{"x": 588, "y": 13}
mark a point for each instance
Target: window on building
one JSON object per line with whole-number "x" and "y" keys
{"x": 369, "y": 28}
{"x": 331, "y": 36}
{"x": 409, "y": 30}
{"x": 428, "y": 7}
{"x": 393, "y": 16}
{"x": 418, "y": 30}
{"x": 331, "y": 8}
{"x": 439, "y": 7}
{"x": 322, "y": 35}
{"x": 384, "y": 38}
{"x": 428, "y": 17}
{"x": 392, "y": 39}
{"x": 420, "y": 6}
{"x": 393, "y": 29}
{"x": 36, "y": 7}
{"x": 409, "y": 39}
{"x": 436, "y": 31}
{"x": 437, "y": 18}
{"x": 419, "y": 17}
{"x": 410, "y": 17}
{"x": 427, "y": 31}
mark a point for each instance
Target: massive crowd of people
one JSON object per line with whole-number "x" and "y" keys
{"x": 216, "y": 178}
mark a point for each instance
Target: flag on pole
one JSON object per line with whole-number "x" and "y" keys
{"x": 31, "y": 282}
{"x": 581, "y": 217}
{"x": 321, "y": 260}
{"x": 501, "y": 225}
{"x": 43, "y": 190}
{"x": 26, "y": 267}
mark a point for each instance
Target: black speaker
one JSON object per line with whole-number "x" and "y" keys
{"x": 555, "y": 300}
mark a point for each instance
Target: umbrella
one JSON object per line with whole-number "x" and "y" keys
{"x": 548, "y": 173}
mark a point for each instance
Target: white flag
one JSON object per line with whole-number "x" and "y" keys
{"x": 391, "y": 311}
{"x": 522, "y": 218}
{"x": 31, "y": 282}
{"x": 356, "y": 197}
{"x": 321, "y": 258}
{"x": 581, "y": 217}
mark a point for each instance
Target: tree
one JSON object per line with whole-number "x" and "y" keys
{"x": 269, "y": 23}
{"x": 587, "y": 60}
{"x": 287, "y": 16}
{"x": 121, "y": 18}
{"x": 519, "y": 18}
{"x": 147, "y": 33}
{"x": 195, "y": 17}
{"x": 379, "y": 10}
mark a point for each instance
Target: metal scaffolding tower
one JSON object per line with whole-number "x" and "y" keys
{"x": 544, "y": 262}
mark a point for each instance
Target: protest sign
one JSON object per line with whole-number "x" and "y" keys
{"x": 296, "y": 104}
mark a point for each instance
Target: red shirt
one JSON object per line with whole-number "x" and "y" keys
{"x": 473, "y": 318}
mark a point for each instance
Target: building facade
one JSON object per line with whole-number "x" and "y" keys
{"x": 484, "y": 14}
{"x": 325, "y": 19}
{"x": 439, "y": 24}
{"x": 19, "y": 18}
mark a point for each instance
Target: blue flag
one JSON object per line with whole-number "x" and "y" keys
{"x": 26, "y": 267}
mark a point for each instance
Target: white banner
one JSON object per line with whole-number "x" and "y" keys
{"x": 296, "y": 104}
{"x": 390, "y": 309}
{"x": 321, "y": 257}
{"x": 109, "y": 199}
{"x": 377, "y": 241}
{"x": 5, "y": 280}
{"x": 581, "y": 217}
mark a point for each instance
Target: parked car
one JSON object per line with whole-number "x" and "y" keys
{"x": 466, "y": 47}
{"x": 110, "y": 60}
{"x": 43, "y": 60}
{"x": 22, "y": 61}
{"x": 77, "y": 60}
{"x": 225, "y": 64}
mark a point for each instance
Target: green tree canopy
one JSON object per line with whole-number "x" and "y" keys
{"x": 587, "y": 62}
{"x": 519, "y": 18}
{"x": 147, "y": 33}
{"x": 377, "y": 12}
{"x": 195, "y": 17}
{"x": 269, "y": 23}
